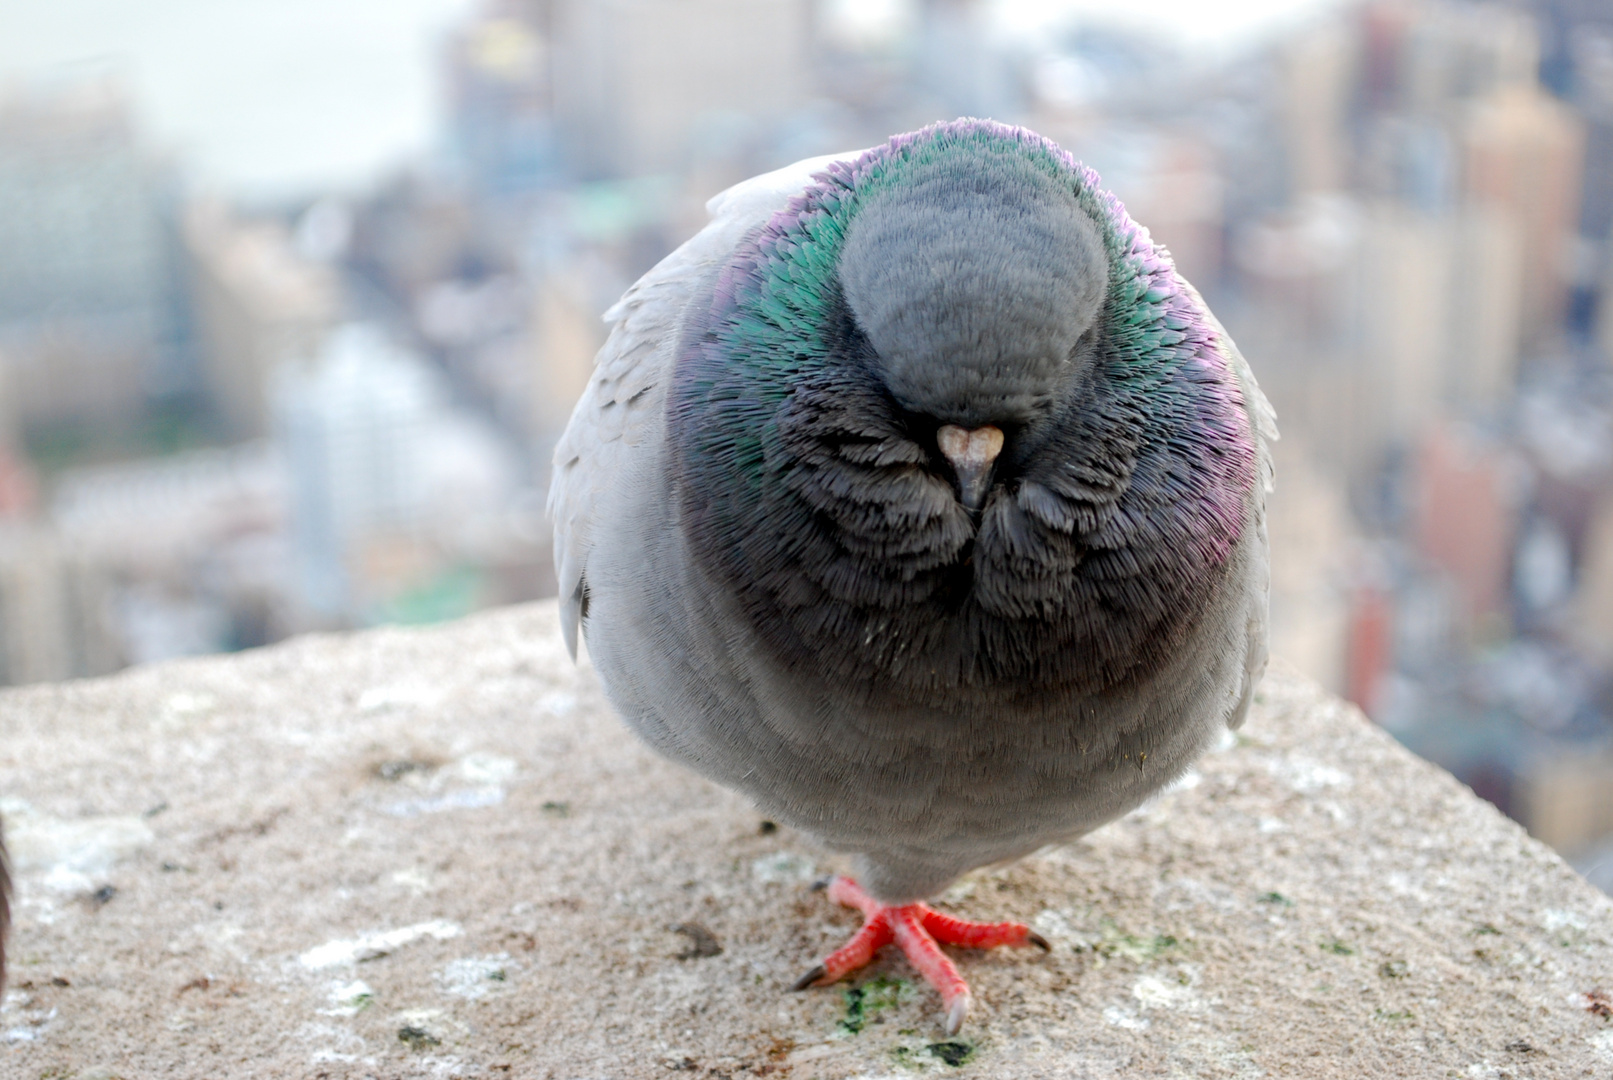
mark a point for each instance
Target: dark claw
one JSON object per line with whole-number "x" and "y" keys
{"x": 822, "y": 883}
{"x": 809, "y": 978}
{"x": 1039, "y": 941}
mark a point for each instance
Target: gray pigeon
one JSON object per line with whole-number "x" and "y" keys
{"x": 920, "y": 499}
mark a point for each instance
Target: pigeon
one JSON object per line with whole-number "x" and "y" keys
{"x": 920, "y": 499}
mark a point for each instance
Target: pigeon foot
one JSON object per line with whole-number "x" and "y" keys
{"x": 917, "y": 929}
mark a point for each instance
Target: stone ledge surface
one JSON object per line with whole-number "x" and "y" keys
{"x": 436, "y": 853}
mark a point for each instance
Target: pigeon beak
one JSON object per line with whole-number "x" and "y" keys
{"x": 972, "y": 454}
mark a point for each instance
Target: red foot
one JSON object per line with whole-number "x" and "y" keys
{"x": 916, "y": 928}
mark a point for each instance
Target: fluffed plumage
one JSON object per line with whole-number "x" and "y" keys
{"x": 779, "y": 583}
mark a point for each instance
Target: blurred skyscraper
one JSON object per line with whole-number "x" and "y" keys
{"x": 1466, "y": 520}
{"x": 1591, "y": 51}
{"x": 500, "y": 98}
{"x": 92, "y": 306}
{"x": 394, "y": 492}
{"x": 960, "y": 67}
{"x": 258, "y": 305}
{"x": 1593, "y": 625}
{"x": 351, "y": 422}
{"x": 646, "y": 86}
{"x": 1523, "y": 153}
{"x": 54, "y": 617}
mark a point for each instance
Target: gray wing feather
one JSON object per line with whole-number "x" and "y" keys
{"x": 621, "y": 413}
{"x": 1263, "y": 429}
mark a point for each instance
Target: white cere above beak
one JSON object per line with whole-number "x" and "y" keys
{"x": 972, "y": 454}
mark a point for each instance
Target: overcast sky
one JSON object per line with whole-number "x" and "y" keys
{"x": 264, "y": 96}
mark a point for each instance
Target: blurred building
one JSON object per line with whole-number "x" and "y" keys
{"x": 647, "y": 86}
{"x": 961, "y": 68}
{"x": 18, "y": 484}
{"x": 1565, "y": 800}
{"x": 1369, "y": 646}
{"x": 1404, "y": 318}
{"x": 1447, "y": 53}
{"x": 351, "y": 421}
{"x": 1298, "y": 273}
{"x": 1465, "y": 510}
{"x": 1313, "y": 543}
{"x": 1318, "y": 66}
{"x": 415, "y": 232}
{"x": 92, "y": 308}
{"x": 1484, "y": 333}
{"x": 500, "y": 98}
{"x": 400, "y": 503}
{"x": 1523, "y": 152}
{"x": 187, "y": 549}
{"x": 1591, "y": 50}
{"x": 1593, "y": 622}
{"x": 55, "y": 608}
{"x": 1604, "y": 327}
{"x": 258, "y": 305}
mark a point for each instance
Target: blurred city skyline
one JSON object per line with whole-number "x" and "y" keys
{"x": 324, "y": 395}
{"x": 275, "y": 99}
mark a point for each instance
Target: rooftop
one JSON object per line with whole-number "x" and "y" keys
{"x": 436, "y": 852}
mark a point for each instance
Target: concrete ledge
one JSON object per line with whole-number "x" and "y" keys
{"x": 436, "y": 853}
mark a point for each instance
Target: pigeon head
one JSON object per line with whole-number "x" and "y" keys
{"x": 975, "y": 278}
{"x": 950, "y": 426}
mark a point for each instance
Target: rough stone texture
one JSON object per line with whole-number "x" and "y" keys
{"x": 436, "y": 853}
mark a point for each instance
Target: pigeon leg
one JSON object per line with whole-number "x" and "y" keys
{"x": 916, "y": 929}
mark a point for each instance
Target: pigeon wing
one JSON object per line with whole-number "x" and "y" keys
{"x": 1263, "y": 429}
{"x": 621, "y": 413}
